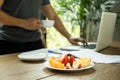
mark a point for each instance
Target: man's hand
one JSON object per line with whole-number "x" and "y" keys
{"x": 31, "y": 24}
{"x": 75, "y": 41}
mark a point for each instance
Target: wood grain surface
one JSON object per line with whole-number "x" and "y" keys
{"x": 12, "y": 68}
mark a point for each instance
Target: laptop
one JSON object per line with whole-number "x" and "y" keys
{"x": 106, "y": 30}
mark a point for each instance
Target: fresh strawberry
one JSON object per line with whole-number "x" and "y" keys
{"x": 71, "y": 60}
{"x": 79, "y": 66}
{"x": 65, "y": 60}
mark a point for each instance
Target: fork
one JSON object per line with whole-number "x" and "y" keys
{"x": 72, "y": 55}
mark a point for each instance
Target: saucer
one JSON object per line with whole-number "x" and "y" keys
{"x": 32, "y": 55}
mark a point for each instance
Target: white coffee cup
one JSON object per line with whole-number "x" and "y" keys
{"x": 47, "y": 23}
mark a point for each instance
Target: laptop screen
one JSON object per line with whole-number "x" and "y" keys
{"x": 106, "y": 30}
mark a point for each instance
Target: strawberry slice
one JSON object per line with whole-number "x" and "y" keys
{"x": 72, "y": 58}
{"x": 65, "y": 60}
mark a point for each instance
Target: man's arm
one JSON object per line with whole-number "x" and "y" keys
{"x": 1, "y": 2}
{"x": 49, "y": 12}
{"x": 29, "y": 24}
{"x": 7, "y": 19}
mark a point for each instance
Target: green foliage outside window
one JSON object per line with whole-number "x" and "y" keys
{"x": 80, "y": 17}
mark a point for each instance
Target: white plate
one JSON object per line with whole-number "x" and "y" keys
{"x": 70, "y": 48}
{"x": 48, "y": 66}
{"x": 33, "y": 55}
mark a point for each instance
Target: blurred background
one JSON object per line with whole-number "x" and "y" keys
{"x": 80, "y": 17}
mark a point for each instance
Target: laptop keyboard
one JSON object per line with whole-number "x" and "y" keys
{"x": 90, "y": 46}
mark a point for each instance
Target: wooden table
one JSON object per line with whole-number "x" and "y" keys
{"x": 11, "y": 68}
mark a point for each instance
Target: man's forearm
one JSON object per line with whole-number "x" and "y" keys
{"x": 6, "y": 19}
{"x": 60, "y": 27}
{"x": 51, "y": 14}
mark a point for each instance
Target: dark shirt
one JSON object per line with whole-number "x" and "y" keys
{"x": 21, "y": 9}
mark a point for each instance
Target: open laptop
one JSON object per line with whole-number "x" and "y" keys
{"x": 106, "y": 30}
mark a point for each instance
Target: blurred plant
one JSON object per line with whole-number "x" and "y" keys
{"x": 85, "y": 13}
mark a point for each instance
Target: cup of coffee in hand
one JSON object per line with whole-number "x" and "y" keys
{"x": 47, "y": 23}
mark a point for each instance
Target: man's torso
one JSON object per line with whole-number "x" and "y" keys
{"x": 21, "y": 9}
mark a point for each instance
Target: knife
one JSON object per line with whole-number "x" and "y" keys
{"x": 55, "y": 52}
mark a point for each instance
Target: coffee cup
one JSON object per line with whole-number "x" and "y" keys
{"x": 47, "y": 23}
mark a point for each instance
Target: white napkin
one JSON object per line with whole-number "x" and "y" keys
{"x": 95, "y": 56}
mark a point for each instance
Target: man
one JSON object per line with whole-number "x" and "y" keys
{"x": 20, "y": 25}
